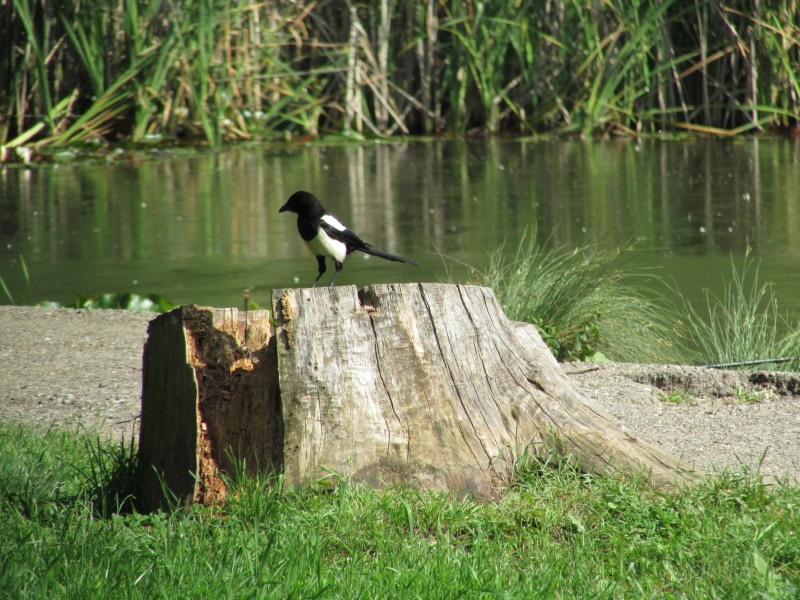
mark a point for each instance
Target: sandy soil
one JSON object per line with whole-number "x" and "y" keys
{"x": 77, "y": 368}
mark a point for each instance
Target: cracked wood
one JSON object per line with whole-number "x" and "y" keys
{"x": 428, "y": 384}
{"x": 431, "y": 384}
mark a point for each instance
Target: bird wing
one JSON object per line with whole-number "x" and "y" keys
{"x": 336, "y": 231}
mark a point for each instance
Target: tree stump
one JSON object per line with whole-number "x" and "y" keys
{"x": 428, "y": 384}
{"x": 209, "y": 397}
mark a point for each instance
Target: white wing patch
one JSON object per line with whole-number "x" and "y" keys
{"x": 334, "y": 222}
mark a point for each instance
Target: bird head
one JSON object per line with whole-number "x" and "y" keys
{"x": 301, "y": 202}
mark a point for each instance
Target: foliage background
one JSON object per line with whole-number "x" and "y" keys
{"x": 219, "y": 70}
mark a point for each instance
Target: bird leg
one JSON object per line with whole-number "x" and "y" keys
{"x": 321, "y": 263}
{"x": 338, "y": 266}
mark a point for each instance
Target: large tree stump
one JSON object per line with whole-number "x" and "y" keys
{"x": 433, "y": 385}
{"x": 428, "y": 384}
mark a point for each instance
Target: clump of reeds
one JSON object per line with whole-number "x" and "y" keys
{"x": 744, "y": 324}
{"x": 585, "y": 305}
{"x": 588, "y": 306}
{"x": 217, "y": 70}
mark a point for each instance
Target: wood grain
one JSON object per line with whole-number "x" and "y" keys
{"x": 209, "y": 398}
{"x": 426, "y": 384}
{"x": 431, "y": 384}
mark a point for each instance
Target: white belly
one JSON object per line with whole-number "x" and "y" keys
{"x": 323, "y": 245}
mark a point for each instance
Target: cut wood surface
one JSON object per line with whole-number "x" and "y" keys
{"x": 428, "y": 384}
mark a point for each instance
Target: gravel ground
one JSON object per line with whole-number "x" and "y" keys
{"x": 77, "y": 368}
{"x": 72, "y": 367}
{"x": 725, "y": 419}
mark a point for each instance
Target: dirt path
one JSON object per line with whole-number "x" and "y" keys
{"x": 79, "y": 368}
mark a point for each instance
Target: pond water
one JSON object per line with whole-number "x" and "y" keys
{"x": 203, "y": 227}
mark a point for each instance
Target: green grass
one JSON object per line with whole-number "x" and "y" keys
{"x": 224, "y": 70}
{"x": 554, "y": 533}
{"x": 588, "y": 305}
{"x": 745, "y": 396}
{"x": 677, "y": 397}
{"x": 585, "y": 303}
{"x": 744, "y": 323}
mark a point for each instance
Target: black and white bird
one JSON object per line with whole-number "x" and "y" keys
{"x": 325, "y": 235}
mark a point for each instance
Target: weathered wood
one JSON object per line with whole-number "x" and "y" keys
{"x": 431, "y": 384}
{"x": 209, "y": 396}
{"x": 428, "y": 384}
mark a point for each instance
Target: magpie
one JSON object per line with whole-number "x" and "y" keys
{"x": 325, "y": 235}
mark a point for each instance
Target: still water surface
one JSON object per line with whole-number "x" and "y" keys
{"x": 202, "y": 227}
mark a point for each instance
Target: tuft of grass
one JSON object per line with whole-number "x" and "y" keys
{"x": 43, "y": 473}
{"x": 109, "y": 475}
{"x": 583, "y": 303}
{"x": 26, "y": 278}
{"x": 677, "y": 397}
{"x": 744, "y": 323}
{"x": 749, "y": 396}
{"x": 555, "y": 532}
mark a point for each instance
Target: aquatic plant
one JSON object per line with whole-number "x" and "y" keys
{"x": 584, "y": 303}
{"x": 217, "y": 70}
{"x": 744, "y": 323}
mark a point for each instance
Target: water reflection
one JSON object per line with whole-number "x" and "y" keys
{"x": 202, "y": 227}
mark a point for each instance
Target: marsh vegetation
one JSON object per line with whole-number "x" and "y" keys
{"x": 218, "y": 70}
{"x": 588, "y": 305}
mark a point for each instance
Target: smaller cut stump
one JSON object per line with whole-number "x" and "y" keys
{"x": 209, "y": 396}
{"x": 428, "y": 384}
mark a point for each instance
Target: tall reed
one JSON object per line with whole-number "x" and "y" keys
{"x": 219, "y": 70}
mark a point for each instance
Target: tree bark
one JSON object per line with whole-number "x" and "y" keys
{"x": 428, "y": 384}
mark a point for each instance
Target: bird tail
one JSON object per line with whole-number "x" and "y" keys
{"x": 381, "y": 254}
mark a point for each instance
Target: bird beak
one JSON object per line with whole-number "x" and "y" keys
{"x": 284, "y": 208}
